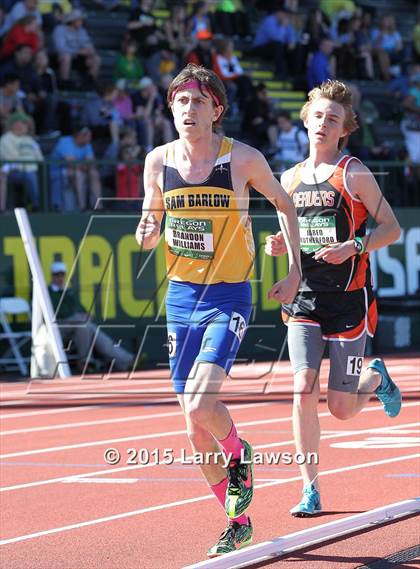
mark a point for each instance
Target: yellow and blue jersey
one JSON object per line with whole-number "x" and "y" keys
{"x": 208, "y": 239}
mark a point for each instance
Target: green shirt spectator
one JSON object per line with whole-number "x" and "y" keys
{"x": 128, "y": 65}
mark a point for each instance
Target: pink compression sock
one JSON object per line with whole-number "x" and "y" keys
{"x": 219, "y": 490}
{"x": 232, "y": 443}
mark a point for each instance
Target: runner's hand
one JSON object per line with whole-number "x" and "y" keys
{"x": 285, "y": 291}
{"x": 148, "y": 228}
{"x": 275, "y": 245}
{"x": 336, "y": 253}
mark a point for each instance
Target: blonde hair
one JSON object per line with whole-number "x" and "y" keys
{"x": 339, "y": 93}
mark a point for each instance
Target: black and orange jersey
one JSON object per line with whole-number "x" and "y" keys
{"x": 328, "y": 213}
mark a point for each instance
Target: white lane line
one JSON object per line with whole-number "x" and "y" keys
{"x": 150, "y": 436}
{"x": 194, "y": 500}
{"x": 117, "y": 420}
{"x": 51, "y": 411}
{"x": 178, "y": 460}
{"x": 102, "y": 480}
{"x": 64, "y": 399}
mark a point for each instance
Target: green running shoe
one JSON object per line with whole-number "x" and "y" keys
{"x": 309, "y": 505}
{"x": 240, "y": 488}
{"x": 234, "y": 537}
{"x": 387, "y": 392}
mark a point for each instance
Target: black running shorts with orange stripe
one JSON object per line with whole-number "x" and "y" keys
{"x": 342, "y": 315}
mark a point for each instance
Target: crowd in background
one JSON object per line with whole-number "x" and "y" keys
{"x": 44, "y": 54}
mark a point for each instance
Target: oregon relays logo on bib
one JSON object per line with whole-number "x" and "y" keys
{"x": 190, "y": 237}
{"x": 316, "y": 232}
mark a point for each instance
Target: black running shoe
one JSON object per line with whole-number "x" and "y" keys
{"x": 234, "y": 537}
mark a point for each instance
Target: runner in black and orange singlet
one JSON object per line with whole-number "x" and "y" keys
{"x": 201, "y": 181}
{"x": 333, "y": 194}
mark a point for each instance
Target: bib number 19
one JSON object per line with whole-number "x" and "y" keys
{"x": 354, "y": 365}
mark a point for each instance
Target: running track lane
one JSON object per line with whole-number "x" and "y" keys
{"x": 186, "y": 530}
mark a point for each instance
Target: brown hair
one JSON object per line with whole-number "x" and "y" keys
{"x": 206, "y": 78}
{"x": 340, "y": 93}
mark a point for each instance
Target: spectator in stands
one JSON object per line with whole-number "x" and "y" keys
{"x": 73, "y": 169}
{"x": 399, "y": 87}
{"x": 345, "y": 49}
{"x": 128, "y": 65}
{"x": 175, "y": 28}
{"x": 54, "y": 18}
{"x": 127, "y": 137}
{"x": 100, "y": 114}
{"x": 200, "y": 20}
{"x": 22, "y": 9}
{"x": 363, "y": 46}
{"x": 18, "y": 144}
{"x": 37, "y": 103}
{"x": 276, "y": 39}
{"x": 388, "y": 45}
{"x": 410, "y": 124}
{"x": 259, "y": 122}
{"x": 129, "y": 176}
{"x": 74, "y": 47}
{"x": 150, "y": 38}
{"x": 227, "y": 67}
{"x": 168, "y": 63}
{"x": 45, "y": 110}
{"x": 315, "y": 30}
{"x": 337, "y": 9}
{"x": 203, "y": 53}
{"x": 292, "y": 141}
{"x": 21, "y": 64}
{"x": 230, "y": 19}
{"x": 148, "y": 106}
{"x": 76, "y": 324}
{"x": 25, "y": 31}
{"x": 11, "y": 99}
{"x": 319, "y": 68}
{"x": 128, "y": 114}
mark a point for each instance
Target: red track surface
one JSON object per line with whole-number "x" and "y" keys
{"x": 65, "y": 508}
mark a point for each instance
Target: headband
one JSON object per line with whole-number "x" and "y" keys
{"x": 194, "y": 84}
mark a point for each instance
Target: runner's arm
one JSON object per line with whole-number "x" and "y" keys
{"x": 363, "y": 186}
{"x": 148, "y": 229}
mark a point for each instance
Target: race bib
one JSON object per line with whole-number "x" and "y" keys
{"x": 238, "y": 325}
{"x": 191, "y": 238}
{"x": 316, "y": 232}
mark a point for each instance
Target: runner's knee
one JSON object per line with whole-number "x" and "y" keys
{"x": 199, "y": 411}
{"x": 340, "y": 408}
{"x": 306, "y": 388}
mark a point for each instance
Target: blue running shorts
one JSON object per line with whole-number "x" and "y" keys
{"x": 206, "y": 323}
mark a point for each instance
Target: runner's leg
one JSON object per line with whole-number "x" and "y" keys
{"x": 306, "y": 348}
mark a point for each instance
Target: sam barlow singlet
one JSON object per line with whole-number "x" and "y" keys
{"x": 328, "y": 213}
{"x": 208, "y": 240}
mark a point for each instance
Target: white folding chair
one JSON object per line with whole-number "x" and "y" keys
{"x": 12, "y": 306}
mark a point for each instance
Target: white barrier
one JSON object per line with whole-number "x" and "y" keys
{"x": 300, "y": 539}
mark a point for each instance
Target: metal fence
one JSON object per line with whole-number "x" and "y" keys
{"x": 395, "y": 178}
